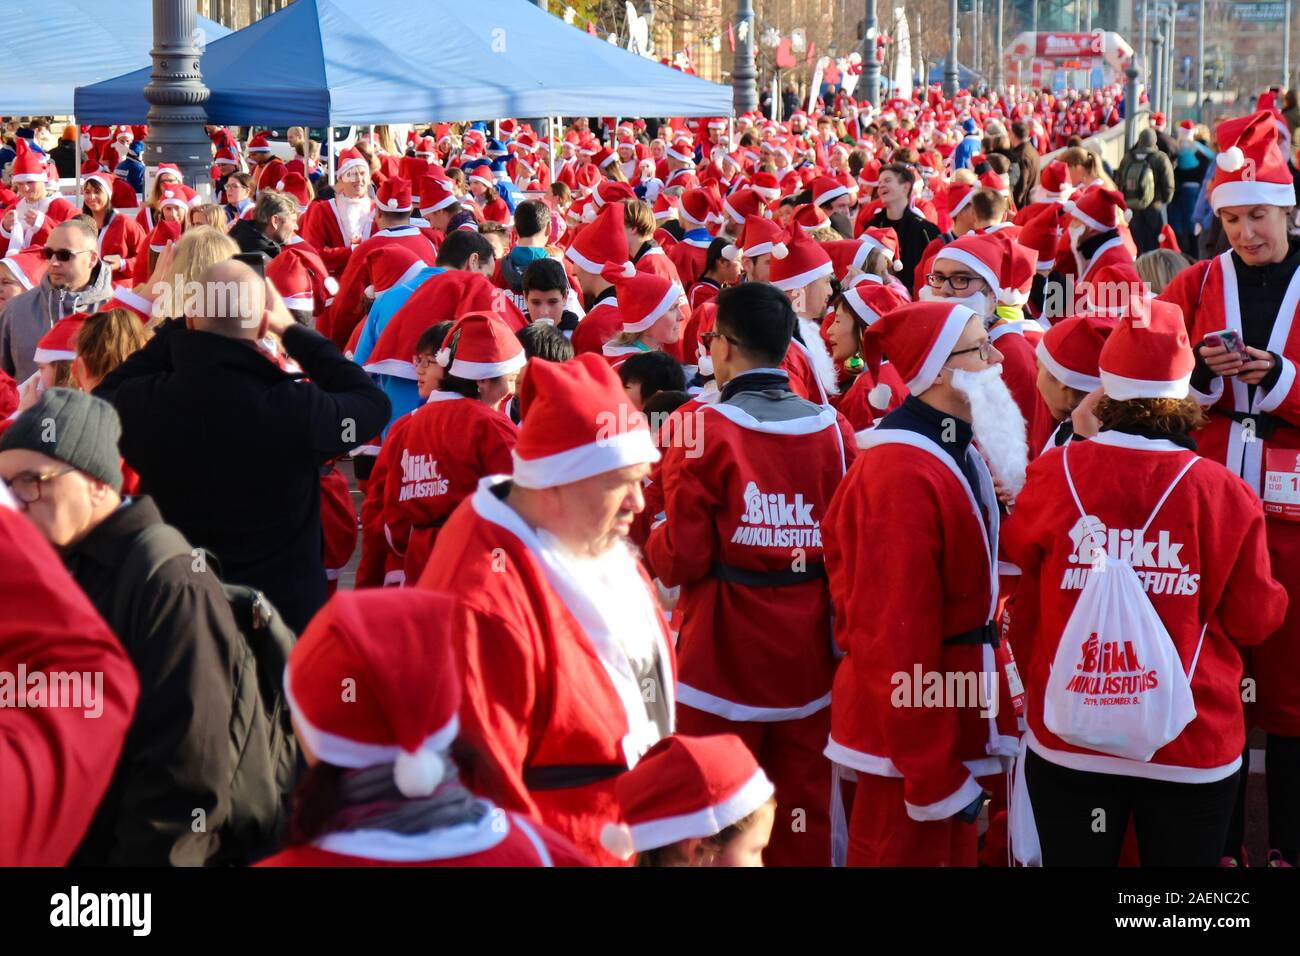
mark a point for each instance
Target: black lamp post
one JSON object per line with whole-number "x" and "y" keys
{"x": 176, "y": 93}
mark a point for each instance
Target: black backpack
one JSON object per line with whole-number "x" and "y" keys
{"x": 1138, "y": 183}
{"x": 263, "y": 746}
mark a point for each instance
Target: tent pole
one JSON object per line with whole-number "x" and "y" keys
{"x": 330, "y": 163}
{"x": 78, "y": 156}
{"x": 552, "y": 122}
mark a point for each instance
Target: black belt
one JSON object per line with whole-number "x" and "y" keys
{"x": 767, "y": 579}
{"x": 984, "y": 634}
{"x": 565, "y": 776}
{"x": 1263, "y": 423}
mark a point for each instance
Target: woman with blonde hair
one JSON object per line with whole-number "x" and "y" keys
{"x": 209, "y": 214}
{"x": 1159, "y": 266}
{"x": 104, "y": 341}
{"x": 1085, "y": 168}
{"x": 183, "y": 263}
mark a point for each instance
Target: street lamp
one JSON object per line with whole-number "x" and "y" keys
{"x": 176, "y": 93}
{"x": 870, "y": 64}
{"x": 951, "y": 80}
{"x": 997, "y": 52}
{"x": 744, "y": 91}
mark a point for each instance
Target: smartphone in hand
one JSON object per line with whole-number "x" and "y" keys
{"x": 1229, "y": 339}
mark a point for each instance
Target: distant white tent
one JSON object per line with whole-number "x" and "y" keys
{"x": 901, "y": 87}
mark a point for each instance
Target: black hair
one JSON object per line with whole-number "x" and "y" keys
{"x": 454, "y": 383}
{"x": 545, "y": 275}
{"x": 714, "y": 254}
{"x": 664, "y": 403}
{"x": 532, "y": 218}
{"x": 431, "y": 339}
{"x": 759, "y": 317}
{"x": 544, "y": 341}
{"x": 904, "y": 172}
{"x": 459, "y": 245}
{"x": 654, "y": 371}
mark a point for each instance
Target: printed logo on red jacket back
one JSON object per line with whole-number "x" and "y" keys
{"x": 777, "y": 521}
{"x": 1155, "y": 556}
{"x": 420, "y": 477}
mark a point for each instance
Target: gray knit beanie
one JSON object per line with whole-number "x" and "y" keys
{"x": 74, "y": 427}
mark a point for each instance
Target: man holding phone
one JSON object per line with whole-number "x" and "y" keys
{"x": 246, "y": 485}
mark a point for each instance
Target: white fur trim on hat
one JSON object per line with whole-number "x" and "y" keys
{"x": 1088, "y": 221}
{"x": 634, "y": 447}
{"x": 46, "y": 356}
{"x": 300, "y": 303}
{"x": 836, "y": 193}
{"x": 941, "y": 351}
{"x": 1123, "y": 389}
{"x": 803, "y": 278}
{"x": 671, "y": 298}
{"x": 1066, "y": 376}
{"x": 731, "y": 252}
{"x": 1252, "y": 193}
{"x": 972, "y": 262}
{"x": 477, "y": 371}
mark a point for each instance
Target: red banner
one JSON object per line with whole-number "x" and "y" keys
{"x": 1069, "y": 44}
{"x": 784, "y": 58}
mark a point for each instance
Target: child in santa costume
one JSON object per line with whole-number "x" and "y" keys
{"x": 1193, "y": 535}
{"x": 693, "y": 801}
{"x": 167, "y": 176}
{"x": 1254, "y": 407}
{"x": 438, "y": 455}
{"x": 382, "y": 786}
{"x": 927, "y": 604}
{"x": 747, "y": 492}
{"x": 600, "y": 243}
{"x": 567, "y": 660}
{"x": 651, "y": 308}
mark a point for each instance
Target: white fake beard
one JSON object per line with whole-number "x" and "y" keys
{"x": 822, "y": 362}
{"x": 353, "y": 213}
{"x": 613, "y": 583}
{"x": 977, "y": 302}
{"x": 998, "y": 424}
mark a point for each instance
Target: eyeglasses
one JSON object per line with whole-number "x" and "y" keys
{"x": 63, "y": 255}
{"x": 708, "y": 337}
{"x": 985, "y": 350}
{"x": 959, "y": 282}
{"x": 424, "y": 361}
{"x": 26, "y": 485}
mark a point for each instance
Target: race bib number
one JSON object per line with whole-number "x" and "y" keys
{"x": 1282, "y": 483}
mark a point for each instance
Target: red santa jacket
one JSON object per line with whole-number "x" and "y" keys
{"x": 598, "y": 326}
{"x": 380, "y": 564}
{"x": 56, "y": 210}
{"x": 267, "y": 175}
{"x": 911, "y": 565}
{"x": 1203, "y": 562}
{"x": 442, "y": 451}
{"x": 855, "y": 402}
{"x": 1020, "y": 372}
{"x": 497, "y": 839}
{"x": 550, "y": 697}
{"x": 323, "y": 228}
{"x": 348, "y": 308}
{"x": 740, "y": 498}
{"x": 55, "y": 762}
{"x": 689, "y": 256}
{"x": 338, "y": 520}
{"x": 124, "y": 237}
{"x": 1207, "y": 295}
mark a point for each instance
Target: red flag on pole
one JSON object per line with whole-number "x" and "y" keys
{"x": 731, "y": 38}
{"x": 784, "y": 58}
{"x": 812, "y": 48}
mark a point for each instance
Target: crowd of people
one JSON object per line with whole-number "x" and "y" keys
{"x": 884, "y": 486}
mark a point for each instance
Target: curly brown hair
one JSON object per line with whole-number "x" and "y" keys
{"x": 1163, "y": 416}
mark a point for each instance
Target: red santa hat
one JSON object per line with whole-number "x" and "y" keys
{"x": 869, "y": 301}
{"x": 1251, "y": 167}
{"x": 884, "y": 239}
{"x": 435, "y": 194}
{"x": 1103, "y": 209}
{"x": 395, "y": 649}
{"x": 760, "y": 235}
{"x": 577, "y": 423}
{"x": 104, "y": 181}
{"x": 1169, "y": 239}
{"x": 28, "y": 266}
{"x": 918, "y": 338}
{"x": 665, "y": 207}
{"x": 602, "y": 241}
{"x": 480, "y": 346}
{"x": 643, "y": 297}
{"x": 1054, "y": 178}
{"x": 1148, "y": 354}
{"x": 168, "y": 171}
{"x": 164, "y": 231}
{"x": 682, "y": 149}
{"x": 296, "y": 185}
{"x": 394, "y": 195}
{"x": 28, "y": 165}
{"x": 291, "y": 279}
{"x": 1042, "y": 233}
{"x": 1071, "y": 351}
{"x": 1158, "y": 121}
{"x": 810, "y": 218}
{"x": 826, "y": 189}
{"x": 133, "y": 302}
{"x": 59, "y": 343}
{"x": 685, "y": 788}
{"x": 982, "y": 253}
{"x": 700, "y": 207}
{"x": 390, "y": 264}
{"x": 767, "y": 186}
{"x": 259, "y": 144}
{"x": 349, "y": 159}
{"x": 804, "y": 262}
{"x": 124, "y": 197}
{"x": 1019, "y": 265}
{"x": 611, "y": 191}
{"x": 742, "y": 204}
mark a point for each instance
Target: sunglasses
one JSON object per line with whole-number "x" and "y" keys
{"x": 708, "y": 337}
{"x": 63, "y": 255}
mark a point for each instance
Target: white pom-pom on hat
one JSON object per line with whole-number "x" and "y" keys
{"x": 589, "y": 213}
{"x": 897, "y": 265}
{"x": 617, "y": 839}
{"x": 280, "y": 185}
{"x": 879, "y": 396}
{"x": 1128, "y": 216}
{"x": 331, "y": 285}
{"x": 443, "y": 357}
{"x": 780, "y": 250}
{"x": 1231, "y": 159}
{"x": 370, "y": 292}
{"x": 731, "y": 253}
{"x": 629, "y": 269}
{"x": 418, "y": 774}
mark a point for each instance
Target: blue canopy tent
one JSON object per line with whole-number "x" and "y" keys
{"x": 966, "y": 77}
{"x": 71, "y": 43}
{"x": 326, "y": 62}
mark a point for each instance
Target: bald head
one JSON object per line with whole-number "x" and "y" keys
{"x": 233, "y": 302}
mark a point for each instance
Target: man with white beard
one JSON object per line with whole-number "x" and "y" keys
{"x": 567, "y": 661}
{"x": 336, "y": 226}
{"x": 911, "y": 552}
